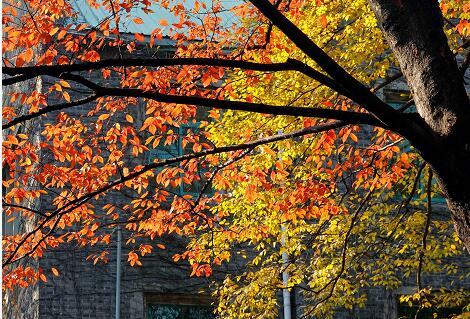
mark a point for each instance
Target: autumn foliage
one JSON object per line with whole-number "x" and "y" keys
{"x": 265, "y": 149}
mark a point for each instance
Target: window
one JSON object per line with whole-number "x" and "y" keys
{"x": 178, "y": 306}
{"x": 176, "y": 149}
{"x": 397, "y": 98}
{"x": 409, "y": 312}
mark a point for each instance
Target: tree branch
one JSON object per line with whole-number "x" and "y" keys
{"x": 5, "y": 204}
{"x": 350, "y": 117}
{"x": 335, "y": 279}
{"x": 465, "y": 64}
{"x": 424, "y": 240}
{"x": 387, "y": 81}
{"x": 406, "y": 202}
{"x": 48, "y": 109}
{"x": 73, "y": 204}
{"x": 25, "y": 73}
{"x": 417, "y": 132}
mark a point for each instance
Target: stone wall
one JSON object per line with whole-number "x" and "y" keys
{"x": 84, "y": 290}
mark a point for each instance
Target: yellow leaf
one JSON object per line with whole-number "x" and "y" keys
{"x": 65, "y": 84}
{"x": 23, "y": 136}
{"x": 103, "y": 117}
{"x": 66, "y": 96}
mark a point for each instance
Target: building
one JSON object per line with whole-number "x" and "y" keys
{"x": 160, "y": 288}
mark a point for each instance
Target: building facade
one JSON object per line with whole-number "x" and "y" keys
{"x": 161, "y": 288}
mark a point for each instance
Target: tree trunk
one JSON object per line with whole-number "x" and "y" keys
{"x": 414, "y": 31}
{"x": 453, "y": 172}
{"x": 460, "y": 209}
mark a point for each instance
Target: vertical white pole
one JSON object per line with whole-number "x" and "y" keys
{"x": 285, "y": 263}
{"x": 118, "y": 273}
{"x": 285, "y": 280}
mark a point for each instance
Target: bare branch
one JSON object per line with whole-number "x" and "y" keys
{"x": 34, "y": 211}
{"x": 465, "y": 64}
{"x": 424, "y": 240}
{"x": 387, "y": 81}
{"x": 48, "y": 109}
{"x": 406, "y": 106}
{"x": 351, "y": 117}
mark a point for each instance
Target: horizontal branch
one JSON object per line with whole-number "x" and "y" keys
{"x": 31, "y": 210}
{"x": 387, "y": 81}
{"x": 49, "y": 108}
{"x": 351, "y": 117}
{"x": 24, "y": 73}
{"x": 33, "y": 71}
{"x": 73, "y": 204}
{"x": 100, "y": 91}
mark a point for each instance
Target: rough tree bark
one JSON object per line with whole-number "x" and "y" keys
{"x": 414, "y": 30}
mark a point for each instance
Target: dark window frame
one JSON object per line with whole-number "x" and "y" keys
{"x": 184, "y": 301}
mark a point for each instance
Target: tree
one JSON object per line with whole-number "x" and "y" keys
{"x": 306, "y": 68}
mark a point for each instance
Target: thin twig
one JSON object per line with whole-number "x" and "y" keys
{"x": 424, "y": 241}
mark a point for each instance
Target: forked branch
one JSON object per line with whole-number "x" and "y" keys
{"x": 79, "y": 201}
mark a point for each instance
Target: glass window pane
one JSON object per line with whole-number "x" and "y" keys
{"x": 162, "y": 311}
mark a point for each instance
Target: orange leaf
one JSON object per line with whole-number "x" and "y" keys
{"x": 404, "y": 157}
{"x": 139, "y": 37}
{"x": 55, "y": 271}
{"x": 138, "y": 21}
{"x": 28, "y": 55}
{"x": 164, "y": 22}
{"x": 353, "y": 137}
{"x": 103, "y": 117}
{"x": 323, "y": 21}
{"x": 19, "y": 61}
